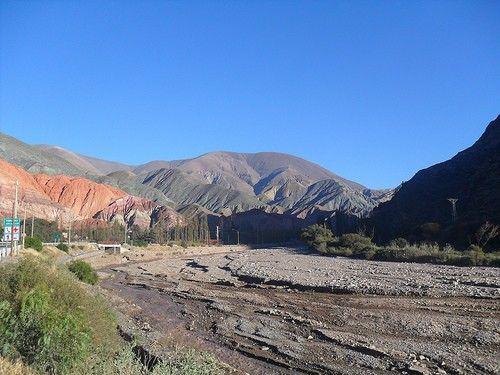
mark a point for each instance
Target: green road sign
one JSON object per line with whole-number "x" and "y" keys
{"x": 7, "y": 222}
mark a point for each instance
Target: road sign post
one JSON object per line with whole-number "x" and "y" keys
{"x": 11, "y": 230}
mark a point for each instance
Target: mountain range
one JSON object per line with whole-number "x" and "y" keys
{"x": 248, "y": 189}
{"x": 221, "y": 182}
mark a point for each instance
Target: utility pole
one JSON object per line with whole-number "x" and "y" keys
{"x": 12, "y": 230}
{"x": 69, "y": 232}
{"x": 125, "y": 220}
{"x": 453, "y": 202}
{"x": 217, "y": 234}
{"x": 24, "y": 224}
{"x": 32, "y": 223}
{"x": 13, "y": 244}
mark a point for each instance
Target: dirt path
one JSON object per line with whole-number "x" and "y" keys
{"x": 281, "y": 323}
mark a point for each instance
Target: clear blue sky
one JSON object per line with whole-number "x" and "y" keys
{"x": 372, "y": 90}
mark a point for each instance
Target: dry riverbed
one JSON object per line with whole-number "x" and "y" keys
{"x": 285, "y": 311}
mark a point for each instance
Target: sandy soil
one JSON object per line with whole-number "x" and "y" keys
{"x": 283, "y": 311}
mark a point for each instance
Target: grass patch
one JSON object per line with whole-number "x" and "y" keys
{"x": 178, "y": 362}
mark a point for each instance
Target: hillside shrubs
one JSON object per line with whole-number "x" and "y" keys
{"x": 56, "y": 325}
{"x": 83, "y": 271}
{"x": 63, "y": 247}
{"x": 33, "y": 243}
{"x": 398, "y": 250}
{"x": 48, "y": 320}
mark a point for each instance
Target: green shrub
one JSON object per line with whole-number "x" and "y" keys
{"x": 189, "y": 362}
{"x": 83, "y": 271}
{"x": 34, "y": 243}
{"x": 493, "y": 259}
{"x": 399, "y": 242}
{"x": 63, "y": 247}
{"x": 475, "y": 256}
{"x": 48, "y": 320}
{"x": 339, "y": 251}
{"x": 354, "y": 241}
{"x": 184, "y": 244}
{"x": 359, "y": 246}
{"x": 318, "y": 237}
{"x": 367, "y": 252}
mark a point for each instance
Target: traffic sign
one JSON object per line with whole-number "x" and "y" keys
{"x": 7, "y": 222}
{"x": 11, "y": 229}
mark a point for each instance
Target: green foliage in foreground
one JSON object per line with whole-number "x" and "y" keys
{"x": 48, "y": 320}
{"x": 179, "y": 362}
{"x": 83, "y": 271}
{"x": 63, "y": 247}
{"x": 56, "y": 325}
{"x": 399, "y": 250}
{"x": 33, "y": 243}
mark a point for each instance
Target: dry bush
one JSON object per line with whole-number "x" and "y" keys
{"x": 14, "y": 368}
{"x": 485, "y": 233}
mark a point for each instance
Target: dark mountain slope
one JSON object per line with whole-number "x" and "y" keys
{"x": 472, "y": 177}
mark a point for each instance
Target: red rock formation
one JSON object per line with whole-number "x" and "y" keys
{"x": 78, "y": 200}
{"x": 84, "y": 197}
{"x": 53, "y": 197}
{"x": 31, "y": 195}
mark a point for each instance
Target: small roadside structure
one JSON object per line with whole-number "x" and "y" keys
{"x": 111, "y": 248}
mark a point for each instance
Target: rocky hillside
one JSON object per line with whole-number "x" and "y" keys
{"x": 236, "y": 182}
{"x": 71, "y": 198}
{"x": 472, "y": 177}
{"x": 84, "y": 197}
{"x": 31, "y": 194}
{"x": 35, "y": 160}
{"x": 222, "y": 182}
{"x": 90, "y": 165}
